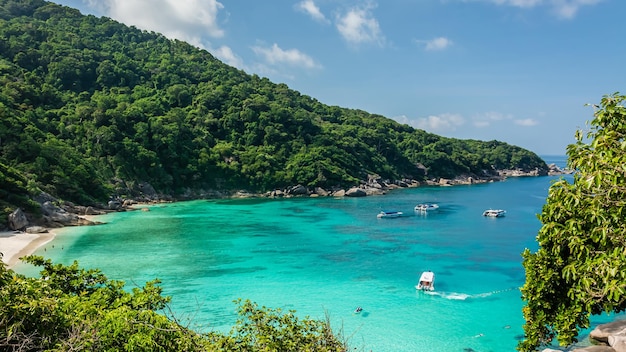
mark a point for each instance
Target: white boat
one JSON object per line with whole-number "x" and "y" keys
{"x": 494, "y": 213}
{"x": 426, "y": 207}
{"x": 427, "y": 281}
{"x": 389, "y": 214}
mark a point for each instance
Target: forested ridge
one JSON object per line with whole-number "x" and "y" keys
{"x": 90, "y": 107}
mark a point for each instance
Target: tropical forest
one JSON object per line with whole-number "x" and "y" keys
{"x": 92, "y": 109}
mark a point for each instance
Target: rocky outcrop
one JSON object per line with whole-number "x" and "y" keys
{"x": 298, "y": 190}
{"x": 339, "y": 193}
{"x": 36, "y": 229}
{"x": 355, "y": 192}
{"x": 523, "y": 173}
{"x": 54, "y": 213}
{"x": 18, "y": 220}
{"x": 555, "y": 170}
{"x": 609, "y": 337}
{"x": 58, "y": 213}
{"x": 586, "y": 349}
{"x": 319, "y": 191}
{"x": 147, "y": 190}
{"x": 54, "y": 216}
{"x": 611, "y": 334}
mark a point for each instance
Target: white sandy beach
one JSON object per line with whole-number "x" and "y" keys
{"x": 16, "y": 244}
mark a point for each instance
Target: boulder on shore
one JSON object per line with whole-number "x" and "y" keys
{"x": 298, "y": 190}
{"x": 609, "y": 337}
{"x": 603, "y": 332}
{"x": 356, "y": 192}
{"x": 339, "y": 193}
{"x": 53, "y": 216}
{"x": 18, "y": 220}
{"x": 36, "y": 229}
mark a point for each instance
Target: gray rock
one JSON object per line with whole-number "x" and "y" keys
{"x": 44, "y": 197}
{"x": 374, "y": 191}
{"x": 401, "y": 183}
{"x": 595, "y": 349}
{"x": 55, "y": 216}
{"x": 618, "y": 342}
{"x": 147, "y": 189}
{"x": 356, "y": 192}
{"x": 339, "y": 193}
{"x": 17, "y": 220}
{"x": 91, "y": 211}
{"x": 114, "y": 205}
{"x": 276, "y": 193}
{"x": 128, "y": 203}
{"x": 36, "y": 229}
{"x": 48, "y": 208}
{"x": 320, "y": 191}
{"x": 298, "y": 190}
{"x": 602, "y": 332}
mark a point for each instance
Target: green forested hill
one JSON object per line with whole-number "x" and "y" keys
{"x": 88, "y": 104}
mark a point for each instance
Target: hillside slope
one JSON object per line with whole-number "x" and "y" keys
{"x": 90, "y": 108}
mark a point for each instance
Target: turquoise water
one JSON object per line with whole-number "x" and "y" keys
{"x": 323, "y": 256}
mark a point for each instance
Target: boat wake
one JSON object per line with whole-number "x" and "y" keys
{"x": 456, "y": 296}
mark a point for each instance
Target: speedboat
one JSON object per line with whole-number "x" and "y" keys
{"x": 389, "y": 214}
{"x": 427, "y": 281}
{"x": 426, "y": 207}
{"x": 494, "y": 213}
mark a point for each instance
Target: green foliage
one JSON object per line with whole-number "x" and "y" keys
{"x": 579, "y": 269}
{"x": 71, "y": 309}
{"x": 264, "y": 329}
{"x": 14, "y": 193}
{"x": 86, "y": 101}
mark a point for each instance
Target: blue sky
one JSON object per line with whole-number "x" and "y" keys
{"x": 518, "y": 71}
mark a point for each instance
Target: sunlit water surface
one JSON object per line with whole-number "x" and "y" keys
{"x": 326, "y": 256}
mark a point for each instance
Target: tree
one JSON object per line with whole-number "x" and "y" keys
{"x": 87, "y": 102}
{"x": 69, "y": 308}
{"x": 265, "y": 329}
{"x": 579, "y": 269}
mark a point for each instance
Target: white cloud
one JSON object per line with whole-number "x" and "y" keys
{"x": 309, "y": 7}
{"x": 495, "y": 116}
{"x": 358, "y": 25}
{"x": 186, "y": 20}
{"x": 434, "y": 123}
{"x": 526, "y": 122}
{"x": 518, "y": 3}
{"x": 562, "y": 8}
{"x": 486, "y": 119}
{"x": 226, "y": 54}
{"x": 276, "y": 55}
{"x": 568, "y": 8}
{"x": 439, "y": 43}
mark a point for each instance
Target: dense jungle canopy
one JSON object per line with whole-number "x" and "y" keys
{"x": 90, "y": 107}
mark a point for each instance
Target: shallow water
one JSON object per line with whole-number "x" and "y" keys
{"x": 323, "y": 256}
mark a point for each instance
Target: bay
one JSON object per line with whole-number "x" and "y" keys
{"x": 326, "y": 256}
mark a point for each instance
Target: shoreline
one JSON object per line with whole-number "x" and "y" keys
{"x": 16, "y": 244}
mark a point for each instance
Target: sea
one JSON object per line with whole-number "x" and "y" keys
{"x": 324, "y": 257}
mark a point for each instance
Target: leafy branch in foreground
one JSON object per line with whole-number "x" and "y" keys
{"x": 72, "y": 309}
{"x": 579, "y": 269}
